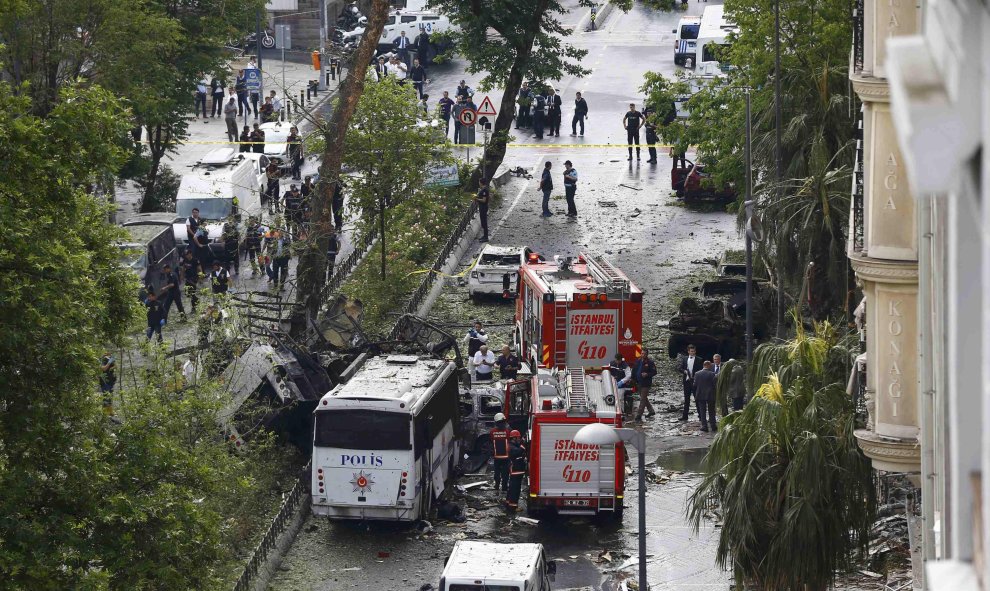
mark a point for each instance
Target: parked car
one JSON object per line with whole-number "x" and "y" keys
{"x": 496, "y": 270}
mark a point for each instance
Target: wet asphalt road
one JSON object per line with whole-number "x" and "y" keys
{"x": 626, "y": 210}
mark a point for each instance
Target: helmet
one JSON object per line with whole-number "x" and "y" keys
{"x": 499, "y": 417}
{"x": 515, "y": 433}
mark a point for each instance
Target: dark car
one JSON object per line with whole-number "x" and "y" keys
{"x": 149, "y": 248}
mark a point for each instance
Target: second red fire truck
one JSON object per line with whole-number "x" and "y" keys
{"x": 567, "y": 477}
{"x": 577, "y": 313}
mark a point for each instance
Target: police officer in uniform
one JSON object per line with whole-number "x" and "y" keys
{"x": 252, "y": 242}
{"x": 632, "y": 121}
{"x": 155, "y": 315}
{"x": 500, "y": 451}
{"x": 190, "y": 273}
{"x": 517, "y": 469}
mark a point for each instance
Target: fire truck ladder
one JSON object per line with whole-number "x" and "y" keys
{"x": 605, "y": 273}
{"x": 559, "y": 332}
{"x": 577, "y": 396}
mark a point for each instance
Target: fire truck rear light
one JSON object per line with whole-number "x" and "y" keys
{"x": 602, "y": 297}
{"x": 548, "y": 405}
{"x": 404, "y": 474}
{"x": 636, "y": 296}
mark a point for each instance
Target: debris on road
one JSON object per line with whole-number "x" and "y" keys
{"x": 528, "y": 520}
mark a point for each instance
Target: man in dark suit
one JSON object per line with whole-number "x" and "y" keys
{"x": 704, "y": 396}
{"x": 689, "y": 366}
{"x": 402, "y": 45}
{"x": 643, "y": 373}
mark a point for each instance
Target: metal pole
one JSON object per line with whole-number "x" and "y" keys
{"x": 323, "y": 48}
{"x": 749, "y": 236}
{"x": 778, "y": 153}
{"x": 257, "y": 42}
{"x": 283, "y": 61}
{"x": 641, "y": 448}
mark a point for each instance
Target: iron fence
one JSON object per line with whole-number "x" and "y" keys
{"x": 298, "y": 494}
{"x": 858, "y": 39}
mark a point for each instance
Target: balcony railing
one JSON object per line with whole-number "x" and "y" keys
{"x": 857, "y": 193}
{"x": 857, "y": 22}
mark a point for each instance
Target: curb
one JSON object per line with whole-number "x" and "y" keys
{"x": 285, "y": 541}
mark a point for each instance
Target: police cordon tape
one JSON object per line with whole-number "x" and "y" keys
{"x": 509, "y": 145}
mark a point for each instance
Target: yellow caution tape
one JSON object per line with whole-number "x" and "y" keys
{"x": 509, "y": 145}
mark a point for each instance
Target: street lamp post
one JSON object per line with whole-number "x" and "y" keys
{"x": 602, "y": 434}
{"x": 749, "y": 234}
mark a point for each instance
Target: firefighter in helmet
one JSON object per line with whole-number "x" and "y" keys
{"x": 500, "y": 451}
{"x": 517, "y": 469}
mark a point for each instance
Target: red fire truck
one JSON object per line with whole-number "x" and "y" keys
{"x": 577, "y": 313}
{"x": 564, "y": 476}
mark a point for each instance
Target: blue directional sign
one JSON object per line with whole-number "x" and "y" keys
{"x": 253, "y": 78}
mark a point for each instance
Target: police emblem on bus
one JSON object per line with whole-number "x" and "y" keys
{"x": 361, "y": 482}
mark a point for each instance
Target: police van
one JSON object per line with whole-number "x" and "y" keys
{"x": 685, "y": 40}
{"x": 386, "y": 443}
{"x": 487, "y": 566}
{"x": 713, "y": 40}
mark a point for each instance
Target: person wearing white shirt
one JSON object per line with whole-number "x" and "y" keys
{"x": 398, "y": 69}
{"x": 484, "y": 361}
{"x": 276, "y": 105}
{"x": 201, "y": 90}
{"x": 689, "y": 366}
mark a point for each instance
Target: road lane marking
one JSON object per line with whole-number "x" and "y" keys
{"x": 508, "y": 212}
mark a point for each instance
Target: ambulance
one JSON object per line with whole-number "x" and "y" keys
{"x": 576, "y": 312}
{"x": 566, "y": 477}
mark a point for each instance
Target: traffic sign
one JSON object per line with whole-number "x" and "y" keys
{"x": 468, "y": 117}
{"x": 487, "y": 108}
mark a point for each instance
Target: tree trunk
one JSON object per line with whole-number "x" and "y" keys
{"x": 157, "y": 146}
{"x": 311, "y": 272}
{"x": 503, "y": 123}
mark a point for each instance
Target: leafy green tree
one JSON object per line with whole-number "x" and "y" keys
{"x": 805, "y": 226}
{"x": 62, "y": 295}
{"x": 52, "y": 43}
{"x": 392, "y": 148}
{"x": 528, "y": 44}
{"x": 795, "y": 491}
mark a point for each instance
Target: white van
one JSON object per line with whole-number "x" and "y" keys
{"x": 215, "y": 181}
{"x": 486, "y": 566}
{"x": 713, "y": 35}
{"x": 413, "y": 23}
{"x": 686, "y": 40}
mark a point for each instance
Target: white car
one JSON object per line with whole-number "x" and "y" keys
{"x": 496, "y": 270}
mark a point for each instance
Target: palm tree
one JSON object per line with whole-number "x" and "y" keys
{"x": 795, "y": 490}
{"x": 806, "y": 227}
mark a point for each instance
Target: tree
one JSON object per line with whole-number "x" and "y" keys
{"x": 523, "y": 29}
{"x": 807, "y": 224}
{"x": 311, "y": 271}
{"x": 795, "y": 490}
{"x": 53, "y": 43}
{"x": 393, "y": 149}
{"x": 62, "y": 295}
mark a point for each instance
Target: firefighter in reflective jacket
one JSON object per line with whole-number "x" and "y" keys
{"x": 500, "y": 451}
{"x": 517, "y": 469}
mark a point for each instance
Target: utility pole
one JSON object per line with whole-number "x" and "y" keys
{"x": 749, "y": 231}
{"x": 322, "y": 83}
{"x": 778, "y": 156}
{"x": 257, "y": 43}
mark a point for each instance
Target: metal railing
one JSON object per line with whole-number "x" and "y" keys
{"x": 858, "y": 37}
{"x": 858, "y": 214}
{"x": 429, "y": 278}
{"x": 298, "y": 494}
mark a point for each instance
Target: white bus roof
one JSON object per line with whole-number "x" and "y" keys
{"x": 401, "y": 380}
{"x": 714, "y": 25}
{"x": 491, "y": 562}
